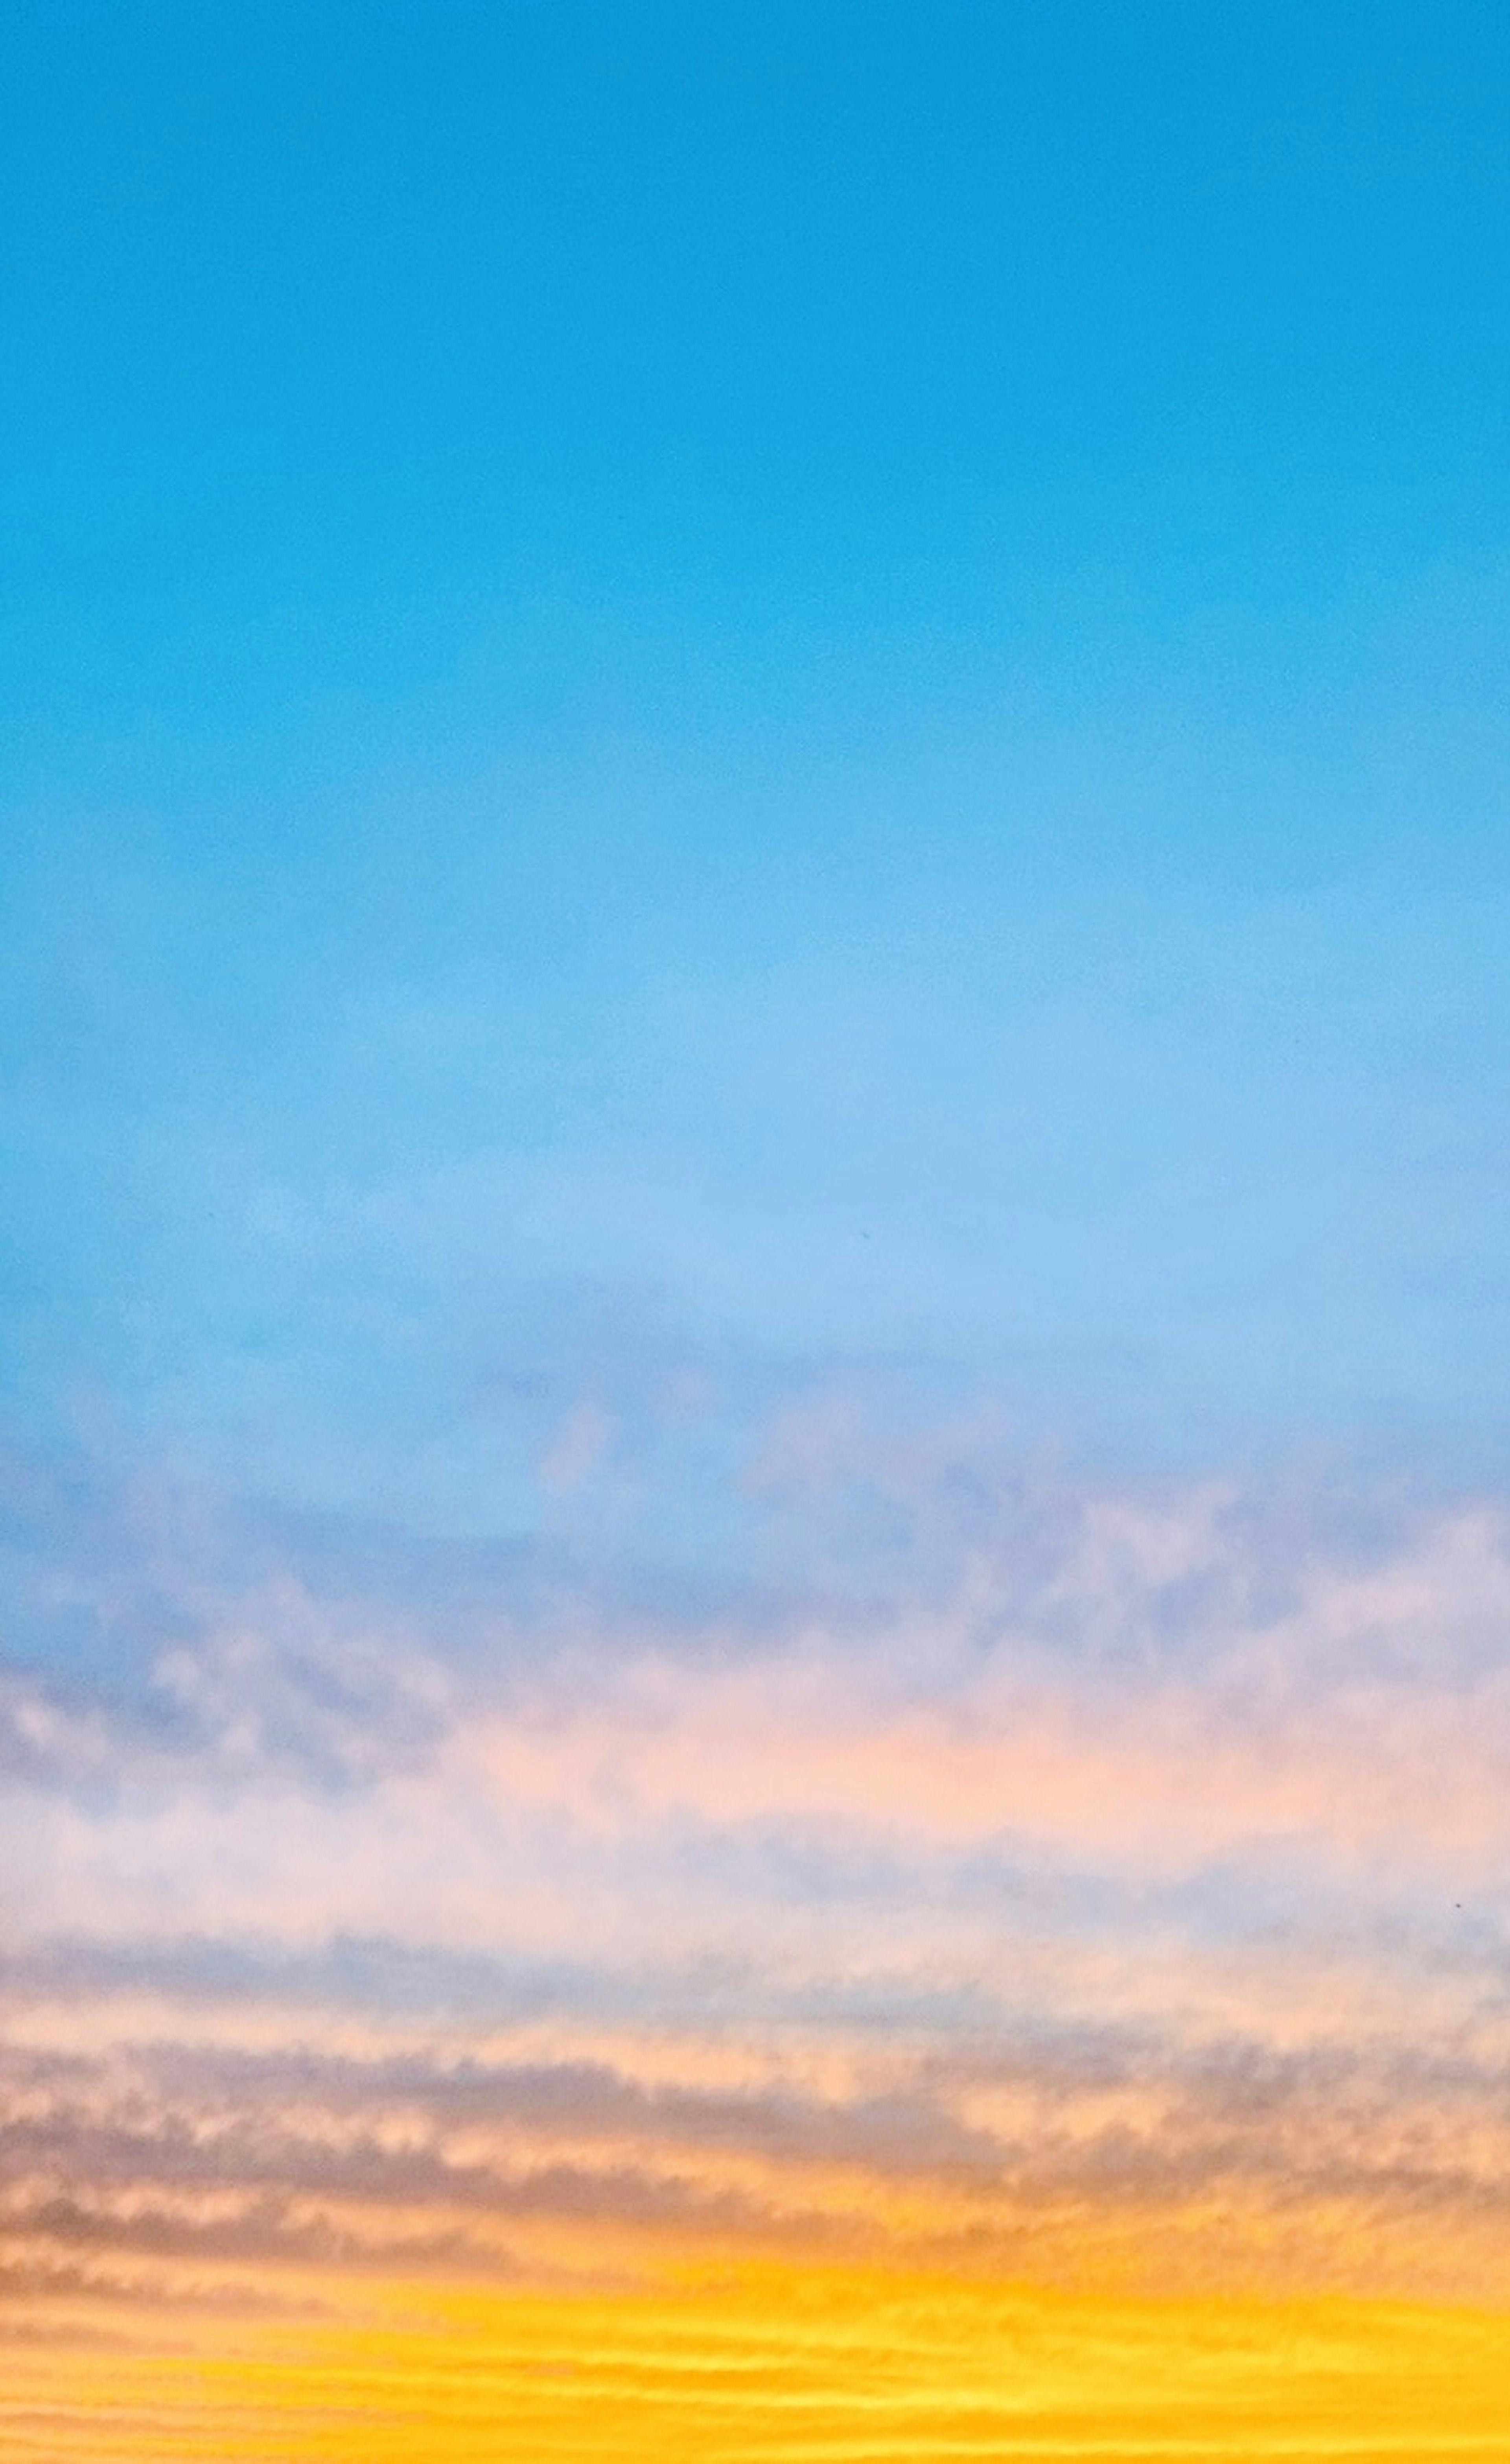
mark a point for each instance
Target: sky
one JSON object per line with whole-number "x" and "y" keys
{"x": 755, "y": 1232}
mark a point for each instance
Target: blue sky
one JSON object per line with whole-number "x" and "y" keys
{"x": 755, "y": 1163}
{"x": 821, "y": 685}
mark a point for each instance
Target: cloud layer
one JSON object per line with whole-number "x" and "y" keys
{"x": 1112, "y": 1898}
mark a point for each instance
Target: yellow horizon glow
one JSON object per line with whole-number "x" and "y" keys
{"x": 772, "y": 2366}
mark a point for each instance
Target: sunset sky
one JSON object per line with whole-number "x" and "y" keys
{"x": 754, "y": 1138}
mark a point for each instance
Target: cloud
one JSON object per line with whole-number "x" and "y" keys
{"x": 303, "y": 1782}
{"x": 1114, "y": 1894}
{"x": 1062, "y": 2149}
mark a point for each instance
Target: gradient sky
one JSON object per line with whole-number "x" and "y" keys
{"x": 755, "y": 1232}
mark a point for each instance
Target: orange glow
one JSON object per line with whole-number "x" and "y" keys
{"x": 772, "y": 2367}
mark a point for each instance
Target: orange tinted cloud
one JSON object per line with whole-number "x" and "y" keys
{"x": 705, "y": 1994}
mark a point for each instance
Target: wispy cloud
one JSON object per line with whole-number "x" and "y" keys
{"x": 1123, "y": 1909}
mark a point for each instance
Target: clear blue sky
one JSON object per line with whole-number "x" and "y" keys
{"x": 805, "y": 683}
